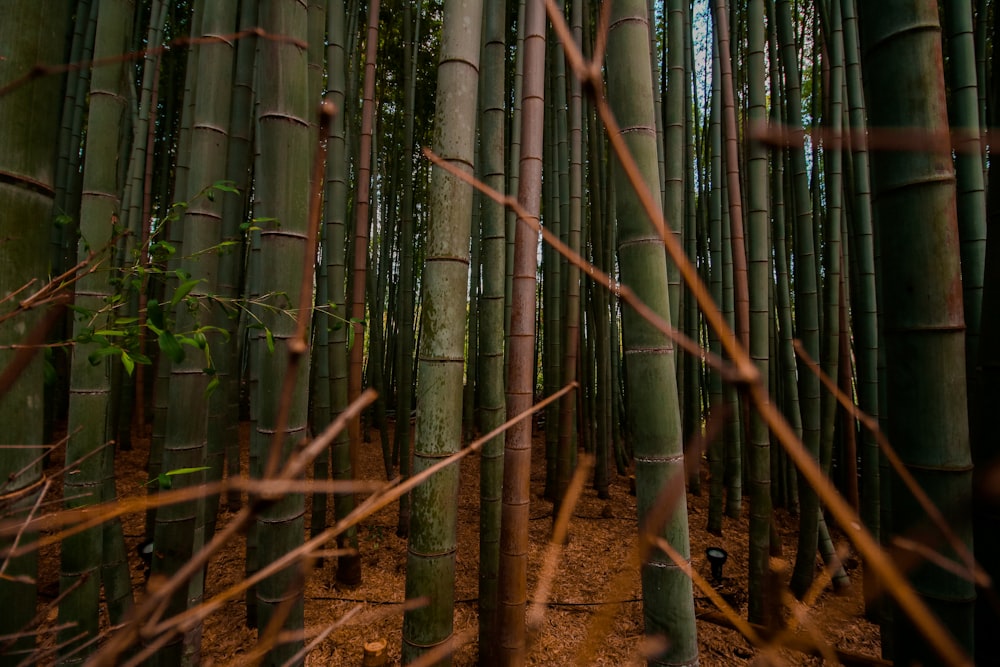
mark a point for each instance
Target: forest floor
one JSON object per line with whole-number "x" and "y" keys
{"x": 594, "y": 573}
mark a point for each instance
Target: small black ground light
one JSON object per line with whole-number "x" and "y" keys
{"x": 717, "y": 558}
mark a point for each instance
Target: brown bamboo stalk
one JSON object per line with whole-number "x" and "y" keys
{"x": 361, "y": 209}
{"x": 513, "y": 576}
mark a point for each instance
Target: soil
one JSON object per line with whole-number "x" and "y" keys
{"x": 593, "y": 574}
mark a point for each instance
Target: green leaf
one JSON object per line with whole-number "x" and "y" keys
{"x": 270, "y": 340}
{"x": 213, "y": 329}
{"x": 128, "y": 363}
{"x": 170, "y": 347}
{"x": 213, "y": 384}
{"x": 140, "y": 358}
{"x": 226, "y": 186}
{"x": 154, "y": 315}
{"x": 79, "y": 310}
{"x": 184, "y": 471}
{"x": 162, "y": 248}
{"x": 95, "y": 357}
{"x": 182, "y": 291}
{"x": 163, "y": 479}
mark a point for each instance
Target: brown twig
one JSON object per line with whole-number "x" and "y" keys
{"x": 937, "y": 637}
{"x": 907, "y": 139}
{"x": 20, "y": 533}
{"x": 83, "y": 519}
{"x": 550, "y": 560}
{"x": 972, "y": 570}
{"x": 38, "y": 71}
{"x": 623, "y": 292}
{"x": 24, "y": 355}
{"x": 737, "y": 621}
{"x": 147, "y": 610}
{"x": 659, "y": 513}
{"x": 298, "y": 346}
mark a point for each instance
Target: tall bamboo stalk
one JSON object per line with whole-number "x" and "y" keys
{"x": 362, "y": 223}
{"x": 806, "y": 301}
{"x": 282, "y": 177}
{"x": 758, "y": 223}
{"x": 430, "y": 565}
{"x": 28, "y": 120}
{"x": 521, "y": 358}
{"x": 83, "y": 554}
{"x": 180, "y": 527}
{"x": 923, "y": 317}
{"x": 491, "y": 330}
{"x": 651, "y": 382}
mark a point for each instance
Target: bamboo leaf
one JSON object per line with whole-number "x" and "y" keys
{"x": 95, "y": 357}
{"x": 183, "y": 290}
{"x": 154, "y": 315}
{"x": 170, "y": 347}
{"x": 226, "y": 186}
{"x": 127, "y": 362}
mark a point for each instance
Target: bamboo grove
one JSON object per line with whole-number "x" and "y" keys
{"x": 748, "y": 233}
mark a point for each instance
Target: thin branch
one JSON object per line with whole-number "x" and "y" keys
{"x": 972, "y": 570}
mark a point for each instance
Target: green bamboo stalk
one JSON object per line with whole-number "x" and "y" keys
{"x": 319, "y": 378}
{"x": 180, "y": 527}
{"x": 863, "y": 296}
{"x": 430, "y": 567}
{"x": 348, "y": 566}
{"x": 783, "y": 289}
{"x": 831, "y": 234}
{"x": 28, "y": 120}
{"x": 491, "y": 331}
{"x": 806, "y": 302}
{"x": 716, "y": 452}
{"x": 695, "y": 241}
{"x": 651, "y": 383}
{"x": 83, "y": 554}
{"x": 572, "y": 223}
{"x": 404, "y": 400}
{"x": 759, "y": 246}
{"x": 513, "y": 173}
{"x": 67, "y": 175}
{"x": 923, "y": 323}
{"x": 282, "y": 177}
{"x": 673, "y": 141}
{"x": 971, "y": 192}
{"x": 601, "y": 322}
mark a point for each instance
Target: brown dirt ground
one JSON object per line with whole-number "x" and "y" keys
{"x": 602, "y": 535}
